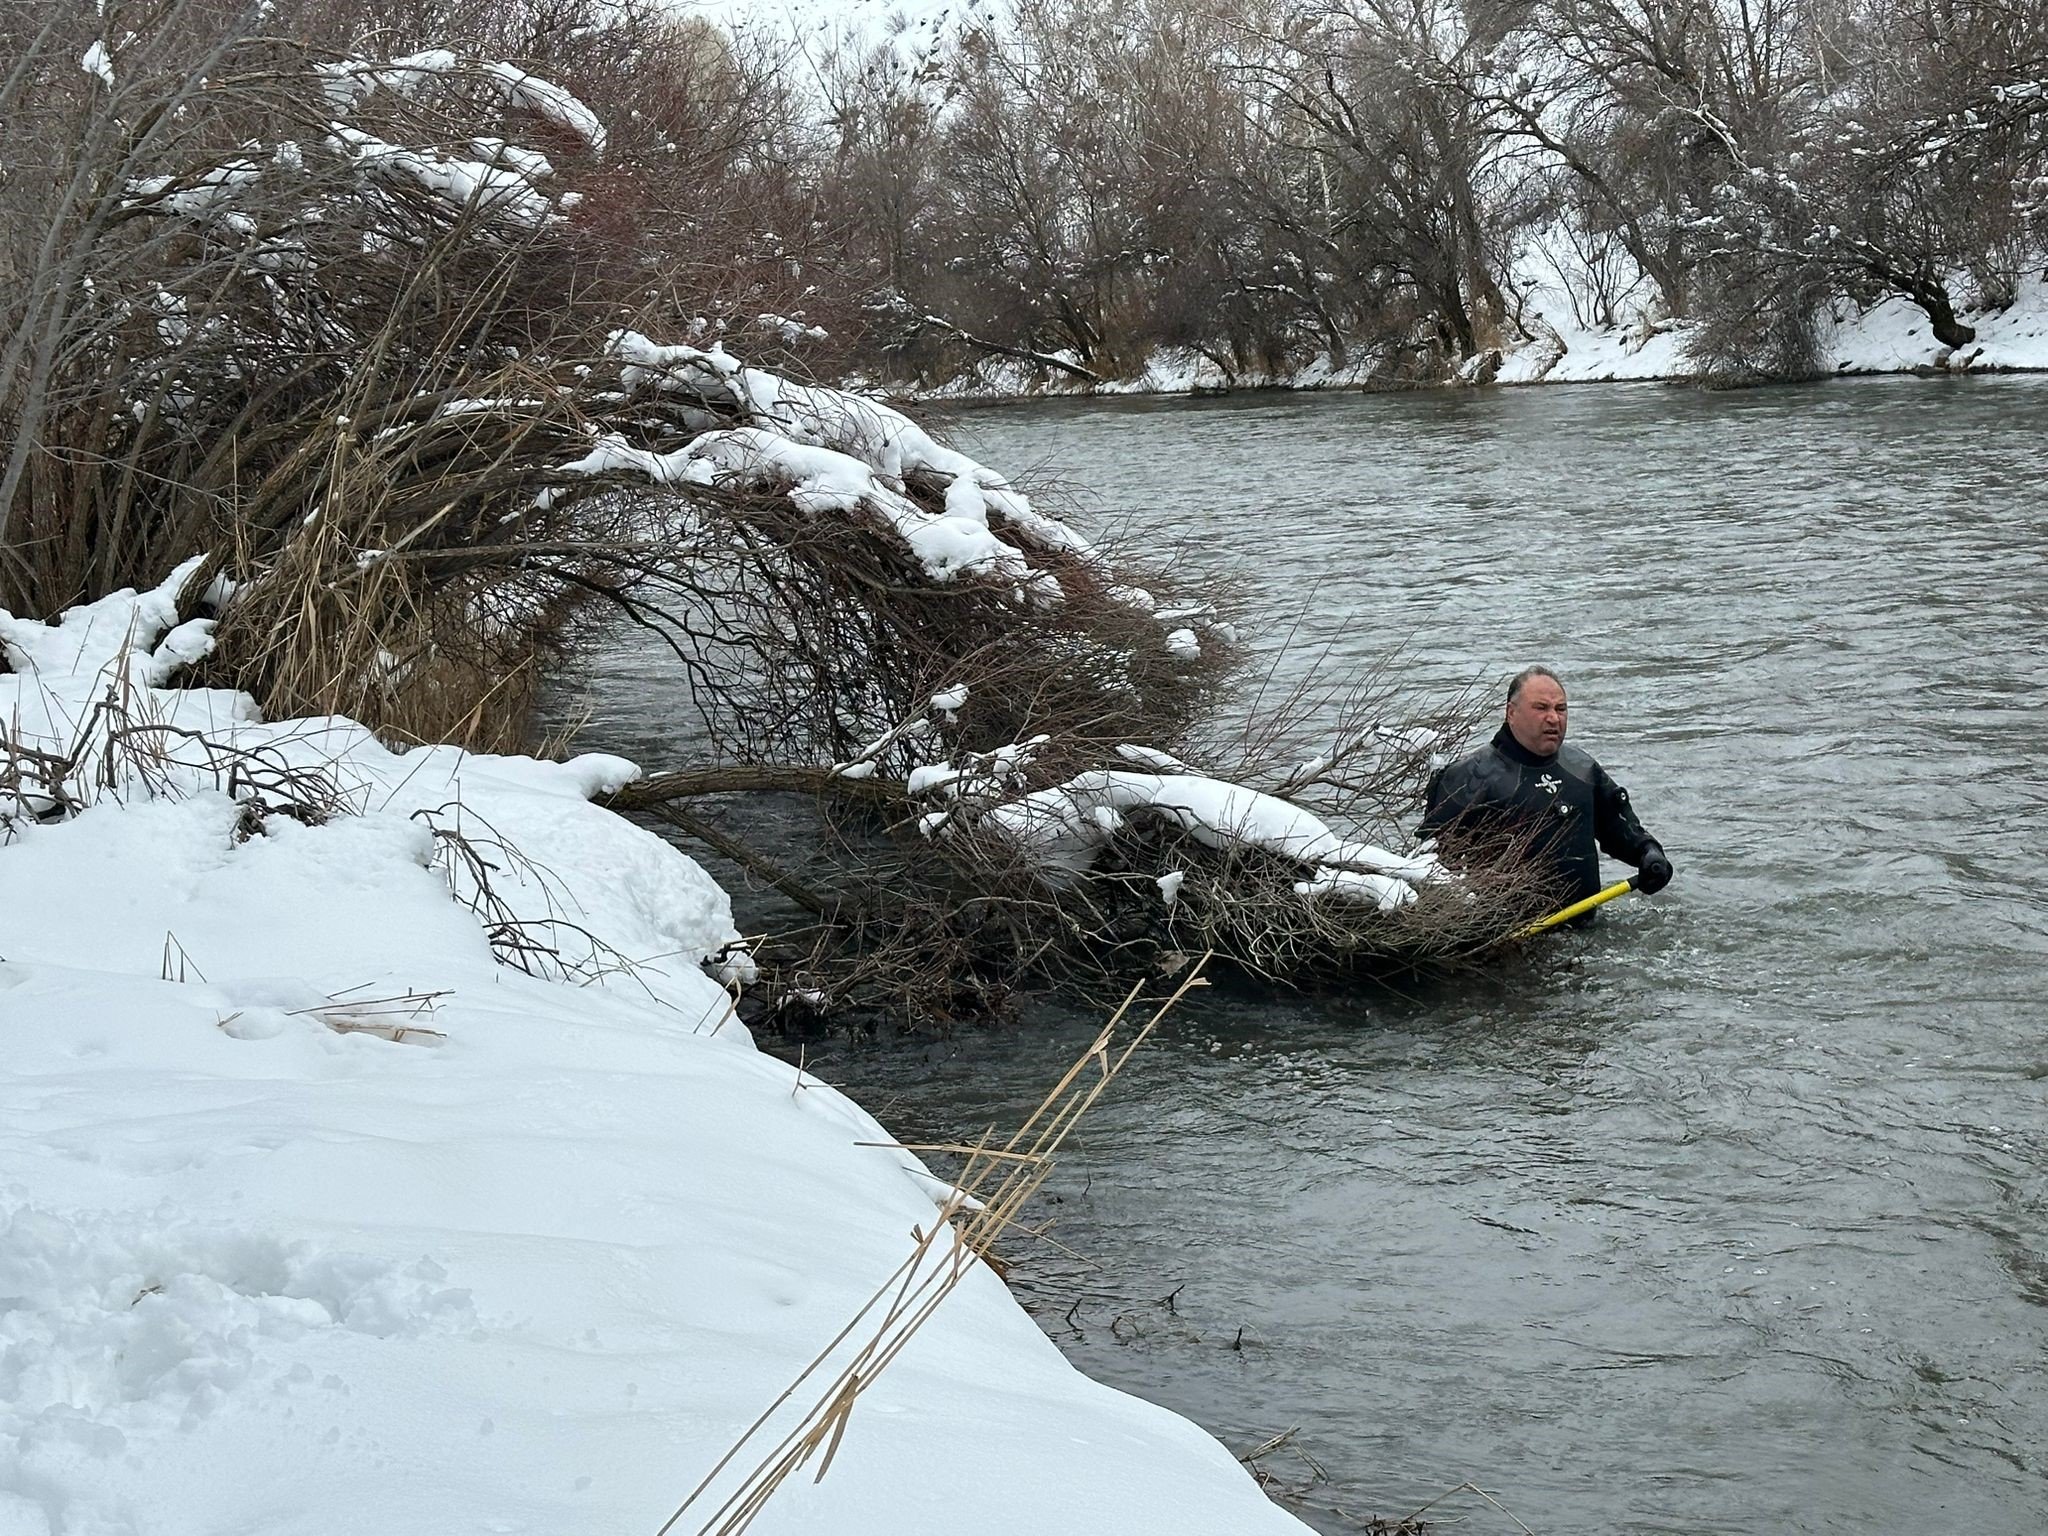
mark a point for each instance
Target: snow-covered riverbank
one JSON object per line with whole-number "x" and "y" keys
{"x": 318, "y": 1212}
{"x": 1889, "y": 338}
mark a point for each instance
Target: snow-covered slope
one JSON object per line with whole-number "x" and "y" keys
{"x": 1891, "y": 337}
{"x": 316, "y": 1215}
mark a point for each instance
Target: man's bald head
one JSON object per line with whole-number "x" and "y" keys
{"x": 1536, "y": 710}
{"x": 1522, "y": 678}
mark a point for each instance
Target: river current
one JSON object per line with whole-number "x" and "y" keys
{"x": 1727, "y": 1215}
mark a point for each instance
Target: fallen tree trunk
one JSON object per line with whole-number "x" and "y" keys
{"x": 1023, "y": 354}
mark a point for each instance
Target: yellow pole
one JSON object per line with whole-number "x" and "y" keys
{"x": 1598, "y": 898}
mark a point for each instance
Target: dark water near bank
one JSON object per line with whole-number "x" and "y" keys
{"x": 1730, "y": 1215}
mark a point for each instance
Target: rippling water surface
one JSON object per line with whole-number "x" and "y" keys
{"x": 1730, "y": 1215}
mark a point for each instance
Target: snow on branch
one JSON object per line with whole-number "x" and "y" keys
{"x": 350, "y": 82}
{"x": 882, "y": 437}
{"x": 821, "y": 480}
{"x": 99, "y": 63}
{"x": 503, "y": 191}
{"x": 1063, "y": 829}
{"x": 791, "y": 332}
{"x": 196, "y": 194}
{"x": 545, "y": 99}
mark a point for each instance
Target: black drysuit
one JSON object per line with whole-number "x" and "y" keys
{"x": 1565, "y": 803}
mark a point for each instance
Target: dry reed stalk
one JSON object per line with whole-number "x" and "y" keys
{"x": 988, "y": 1199}
{"x": 397, "y": 1034}
{"x": 388, "y": 1018}
{"x": 1414, "y": 1522}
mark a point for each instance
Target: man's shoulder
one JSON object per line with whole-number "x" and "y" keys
{"x": 1578, "y": 762}
{"x": 1483, "y": 762}
{"x": 1465, "y": 762}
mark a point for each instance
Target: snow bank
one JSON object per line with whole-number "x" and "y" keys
{"x": 1894, "y": 337}
{"x": 319, "y": 1214}
{"x": 1573, "y": 355}
{"x": 1890, "y": 337}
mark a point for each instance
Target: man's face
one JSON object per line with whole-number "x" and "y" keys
{"x": 1536, "y": 715}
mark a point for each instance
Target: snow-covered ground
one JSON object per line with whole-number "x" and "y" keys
{"x": 318, "y": 1215}
{"x": 1891, "y": 337}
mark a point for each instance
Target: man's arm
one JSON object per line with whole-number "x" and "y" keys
{"x": 1441, "y": 804}
{"x": 1621, "y": 836}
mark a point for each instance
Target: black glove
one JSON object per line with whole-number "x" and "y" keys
{"x": 1654, "y": 873}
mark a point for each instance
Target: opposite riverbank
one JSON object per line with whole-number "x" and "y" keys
{"x": 1893, "y": 337}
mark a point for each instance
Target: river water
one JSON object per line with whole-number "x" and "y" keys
{"x": 1730, "y": 1214}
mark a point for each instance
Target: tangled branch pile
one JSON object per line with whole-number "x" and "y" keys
{"x": 401, "y": 358}
{"x": 335, "y": 321}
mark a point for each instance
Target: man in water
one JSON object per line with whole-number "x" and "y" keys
{"x": 1527, "y": 782}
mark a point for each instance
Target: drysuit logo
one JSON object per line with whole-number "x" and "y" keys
{"x": 1549, "y": 785}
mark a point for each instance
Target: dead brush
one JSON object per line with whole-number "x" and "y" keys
{"x": 32, "y": 785}
{"x": 1282, "y": 1490}
{"x": 229, "y": 336}
{"x": 1242, "y": 904}
{"x": 914, "y": 913}
{"x": 474, "y": 857}
{"x": 805, "y": 638}
{"x": 1247, "y": 905}
{"x": 322, "y": 633}
{"x": 995, "y": 1185}
{"x": 373, "y": 598}
{"x": 225, "y": 332}
{"x": 127, "y": 743}
{"x": 1347, "y": 738}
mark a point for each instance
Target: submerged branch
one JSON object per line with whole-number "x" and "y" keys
{"x": 662, "y": 789}
{"x": 748, "y": 858}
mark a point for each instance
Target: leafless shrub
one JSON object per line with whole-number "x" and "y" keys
{"x": 473, "y": 857}
{"x": 1757, "y": 321}
{"x": 238, "y": 329}
{"x": 908, "y": 904}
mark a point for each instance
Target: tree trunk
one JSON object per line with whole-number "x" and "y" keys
{"x": 1919, "y": 284}
{"x": 1933, "y": 297}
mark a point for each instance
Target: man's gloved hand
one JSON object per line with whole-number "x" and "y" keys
{"x": 1654, "y": 873}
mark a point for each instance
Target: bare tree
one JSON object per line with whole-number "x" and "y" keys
{"x": 1380, "y": 88}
